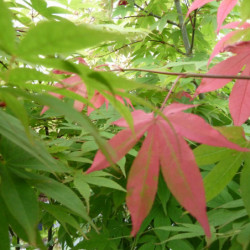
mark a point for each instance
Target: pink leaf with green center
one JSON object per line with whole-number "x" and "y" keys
{"x": 182, "y": 174}
{"x": 121, "y": 144}
{"x": 143, "y": 180}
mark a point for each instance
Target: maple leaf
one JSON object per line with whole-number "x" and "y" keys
{"x": 75, "y": 84}
{"x": 225, "y": 7}
{"x": 164, "y": 148}
{"x": 239, "y": 104}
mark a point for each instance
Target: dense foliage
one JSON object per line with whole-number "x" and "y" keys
{"x": 124, "y": 124}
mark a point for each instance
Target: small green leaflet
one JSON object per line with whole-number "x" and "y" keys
{"x": 99, "y": 180}
{"x": 227, "y": 161}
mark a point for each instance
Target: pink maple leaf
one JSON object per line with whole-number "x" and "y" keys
{"x": 239, "y": 104}
{"x": 75, "y": 84}
{"x": 165, "y": 148}
{"x": 225, "y": 7}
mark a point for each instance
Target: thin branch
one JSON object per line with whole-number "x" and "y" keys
{"x": 18, "y": 243}
{"x": 187, "y": 75}
{"x": 50, "y": 238}
{"x": 149, "y": 13}
{"x": 193, "y": 32}
{"x": 132, "y": 16}
{"x": 156, "y": 16}
{"x": 4, "y": 65}
{"x": 171, "y": 45}
{"x": 124, "y": 46}
{"x": 158, "y": 41}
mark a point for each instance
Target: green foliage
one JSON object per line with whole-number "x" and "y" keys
{"x": 46, "y": 198}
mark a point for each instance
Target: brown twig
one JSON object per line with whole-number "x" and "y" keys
{"x": 187, "y": 75}
{"x": 4, "y": 65}
{"x": 169, "y": 44}
{"x": 124, "y": 46}
{"x": 156, "y": 16}
{"x": 158, "y": 41}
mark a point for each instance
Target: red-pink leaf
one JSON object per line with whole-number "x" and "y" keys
{"x": 219, "y": 47}
{"x": 231, "y": 66}
{"x": 59, "y": 96}
{"x": 97, "y": 100}
{"x": 225, "y": 41}
{"x": 177, "y": 107}
{"x": 143, "y": 179}
{"x": 196, "y": 129}
{"x": 139, "y": 117}
{"x": 197, "y": 4}
{"x": 231, "y": 25}
{"x": 225, "y": 7}
{"x": 121, "y": 144}
{"x": 182, "y": 175}
{"x": 239, "y": 103}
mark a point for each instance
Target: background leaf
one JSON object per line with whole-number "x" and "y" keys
{"x": 7, "y": 36}
{"x": 62, "y": 37}
{"x": 244, "y": 185}
{"x": 21, "y": 201}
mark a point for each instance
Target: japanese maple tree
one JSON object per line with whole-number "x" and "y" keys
{"x": 146, "y": 145}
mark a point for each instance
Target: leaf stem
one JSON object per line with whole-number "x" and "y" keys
{"x": 170, "y": 91}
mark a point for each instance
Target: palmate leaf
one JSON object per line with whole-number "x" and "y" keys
{"x": 164, "y": 146}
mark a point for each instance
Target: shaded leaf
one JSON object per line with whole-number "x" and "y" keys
{"x": 244, "y": 185}
{"x": 11, "y": 128}
{"x": 21, "y": 201}
{"x": 4, "y": 229}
